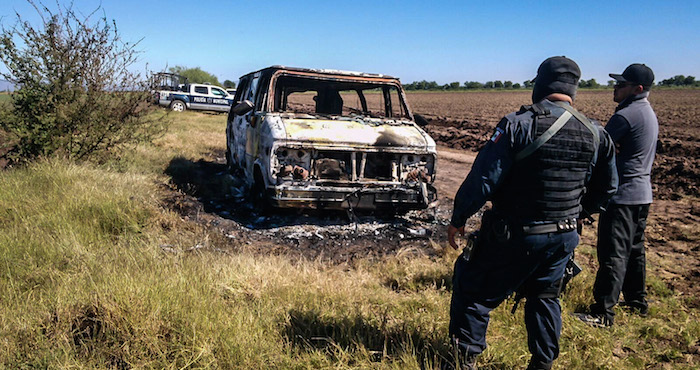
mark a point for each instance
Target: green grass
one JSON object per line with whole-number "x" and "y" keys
{"x": 84, "y": 283}
{"x": 4, "y": 98}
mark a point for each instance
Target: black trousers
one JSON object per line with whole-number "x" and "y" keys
{"x": 498, "y": 269}
{"x": 621, "y": 259}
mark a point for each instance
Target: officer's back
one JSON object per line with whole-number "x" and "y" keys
{"x": 543, "y": 168}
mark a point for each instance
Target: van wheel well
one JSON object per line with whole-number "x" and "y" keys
{"x": 231, "y": 165}
{"x": 258, "y": 194}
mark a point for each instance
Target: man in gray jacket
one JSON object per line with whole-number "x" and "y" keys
{"x": 634, "y": 129}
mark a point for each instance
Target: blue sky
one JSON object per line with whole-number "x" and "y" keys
{"x": 443, "y": 41}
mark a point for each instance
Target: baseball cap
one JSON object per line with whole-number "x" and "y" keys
{"x": 636, "y": 73}
{"x": 556, "y": 75}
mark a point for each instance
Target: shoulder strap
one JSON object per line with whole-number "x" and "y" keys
{"x": 586, "y": 122}
{"x": 556, "y": 126}
{"x": 537, "y": 143}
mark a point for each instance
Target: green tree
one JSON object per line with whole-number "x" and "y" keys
{"x": 453, "y": 86}
{"x": 516, "y": 85}
{"x": 678, "y": 80}
{"x": 611, "y": 83}
{"x": 195, "y": 75}
{"x": 488, "y": 85}
{"x": 673, "y": 81}
{"x": 77, "y": 93}
{"x": 229, "y": 84}
{"x": 423, "y": 85}
{"x": 528, "y": 84}
{"x": 592, "y": 83}
{"x": 498, "y": 84}
{"x": 473, "y": 85}
{"x": 508, "y": 84}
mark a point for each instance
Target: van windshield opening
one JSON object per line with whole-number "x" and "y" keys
{"x": 335, "y": 97}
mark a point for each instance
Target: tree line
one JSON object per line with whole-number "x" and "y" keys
{"x": 198, "y": 76}
{"x": 678, "y": 80}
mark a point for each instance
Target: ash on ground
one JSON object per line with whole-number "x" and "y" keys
{"x": 204, "y": 192}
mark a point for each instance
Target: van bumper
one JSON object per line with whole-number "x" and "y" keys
{"x": 363, "y": 197}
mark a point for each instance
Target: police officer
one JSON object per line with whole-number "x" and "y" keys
{"x": 543, "y": 167}
{"x": 622, "y": 267}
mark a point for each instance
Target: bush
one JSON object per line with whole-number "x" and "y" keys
{"x": 77, "y": 96}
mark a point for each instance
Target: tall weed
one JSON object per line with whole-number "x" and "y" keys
{"x": 95, "y": 273}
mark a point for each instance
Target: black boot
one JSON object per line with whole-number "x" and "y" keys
{"x": 539, "y": 365}
{"x": 462, "y": 363}
{"x": 463, "y": 360}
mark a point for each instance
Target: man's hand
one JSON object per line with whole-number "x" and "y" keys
{"x": 451, "y": 232}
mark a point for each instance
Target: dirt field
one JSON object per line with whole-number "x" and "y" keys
{"x": 673, "y": 232}
{"x": 464, "y": 121}
{"x": 460, "y": 122}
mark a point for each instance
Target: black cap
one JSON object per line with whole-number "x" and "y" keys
{"x": 556, "y": 75}
{"x": 636, "y": 73}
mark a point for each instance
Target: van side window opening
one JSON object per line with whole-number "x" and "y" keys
{"x": 261, "y": 93}
{"x": 397, "y": 108}
{"x": 243, "y": 88}
{"x": 252, "y": 87}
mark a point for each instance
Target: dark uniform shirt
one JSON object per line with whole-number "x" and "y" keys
{"x": 494, "y": 161}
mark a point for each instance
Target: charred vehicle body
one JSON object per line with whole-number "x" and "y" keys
{"x": 329, "y": 139}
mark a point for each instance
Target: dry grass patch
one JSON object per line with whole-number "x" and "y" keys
{"x": 97, "y": 272}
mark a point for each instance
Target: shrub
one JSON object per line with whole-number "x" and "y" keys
{"x": 77, "y": 96}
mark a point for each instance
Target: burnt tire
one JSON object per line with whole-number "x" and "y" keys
{"x": 230, "y": 166}
{"x": 178, "y": 106}
{"x": 258, "y": 197}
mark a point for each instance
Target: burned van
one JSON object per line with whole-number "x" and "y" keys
{"x": 329, "y": 139}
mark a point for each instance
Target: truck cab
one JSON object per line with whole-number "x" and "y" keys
{"x": 207, "y": 97}
{"x": 175, "y": 92}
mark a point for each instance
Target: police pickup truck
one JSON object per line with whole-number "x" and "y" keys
{"x": 180, "y": 97}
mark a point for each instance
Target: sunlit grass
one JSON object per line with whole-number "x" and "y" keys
{"x": 96, "y": 273}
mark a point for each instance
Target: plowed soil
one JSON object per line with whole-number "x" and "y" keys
{"x": 205, "y": 194}
{"x": 465, "y": 121}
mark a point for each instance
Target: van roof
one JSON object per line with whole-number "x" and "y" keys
{"x": 275, "y": 68}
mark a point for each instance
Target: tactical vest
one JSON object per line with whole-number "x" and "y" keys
{"x": 547, "y": 185}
